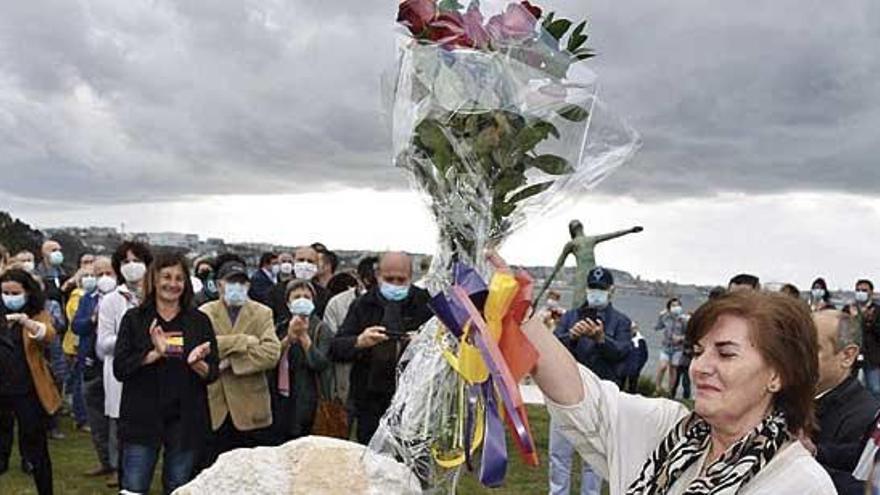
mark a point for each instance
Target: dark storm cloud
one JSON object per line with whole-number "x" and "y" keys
{"x": 169, "y": 99}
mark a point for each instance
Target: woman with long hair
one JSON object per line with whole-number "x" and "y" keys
{"x": 166, "y": 355}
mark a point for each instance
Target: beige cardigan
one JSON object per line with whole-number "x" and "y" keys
{"x": 251, "y": 348}
{"x": 616, "y": 432}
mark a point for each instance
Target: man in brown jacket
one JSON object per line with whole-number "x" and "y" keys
{"x": 239, "y": 400}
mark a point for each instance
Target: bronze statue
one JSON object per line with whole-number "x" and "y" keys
{"x": 582, "y": 247}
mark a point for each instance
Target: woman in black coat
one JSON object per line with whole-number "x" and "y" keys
{"x": 166, "y": 354}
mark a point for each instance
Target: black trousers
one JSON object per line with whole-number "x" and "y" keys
{"x": 228, "y": 437}
{"x": 368, "y": 413}
{"x": 32, "y": 424}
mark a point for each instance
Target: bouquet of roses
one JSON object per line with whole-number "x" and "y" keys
{"x": 491, "y": 111}
{"x": 491, "y": 115}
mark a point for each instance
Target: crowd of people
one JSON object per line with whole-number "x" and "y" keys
{"x": 154, "y": 355}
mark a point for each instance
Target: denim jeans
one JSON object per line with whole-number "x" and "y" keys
{"x": 561, "y": 455}
{"x": 93, "y": 393}
{"x": 74, "y": 386}
{"x": 139, "y": 462}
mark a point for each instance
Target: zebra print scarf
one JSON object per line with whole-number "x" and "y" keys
{"x": 686, "y": 443}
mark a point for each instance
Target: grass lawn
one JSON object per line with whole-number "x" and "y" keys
{"x": 74, "y": 455}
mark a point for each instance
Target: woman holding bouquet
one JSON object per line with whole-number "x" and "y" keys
{"x": 166, "y": 355}
{"x": 755, "y": 368}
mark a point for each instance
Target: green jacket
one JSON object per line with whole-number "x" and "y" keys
{"x": 295, "y": 414}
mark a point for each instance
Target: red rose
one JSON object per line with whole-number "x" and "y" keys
{"x": 448, "y": 29}
{"x": 415, "y": 14}
{"x": 535, "y": 11}
{"x": 516, "y": 23}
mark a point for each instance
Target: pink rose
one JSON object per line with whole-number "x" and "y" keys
{"x": 473, "y": 26}
{"x": 415, "y": 14}
{"x": 516, "y": 23}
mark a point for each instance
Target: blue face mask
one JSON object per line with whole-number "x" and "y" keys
{"x": 394, "y": 292}
{"x": 597, "y": 298}
{"x": 302, "y": 306}
{"x": 56, "y": 258}
{"x": 89, "y": 283}
{"x": 235, "y": 294}
{"x": 14, "y": 302}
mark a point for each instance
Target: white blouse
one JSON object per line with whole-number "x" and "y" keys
{"x": 616, "y": 433}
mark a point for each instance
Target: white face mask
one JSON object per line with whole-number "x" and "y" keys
{"x": 818, "y": 293}
{"x": 106, "y": 284}
{"x": 305, "y": 270}
{"x": 286, "y": 268}
{"x": 597, "y": 298}
{"x": 133, "y": 272}
{"x": 862, "y": 296}
{"x": 28, "y": 266}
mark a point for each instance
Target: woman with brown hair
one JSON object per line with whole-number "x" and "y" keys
{"x": 755, "y": 368}
{"x": 27, "y": 390}
{"x": 166, "y": 355}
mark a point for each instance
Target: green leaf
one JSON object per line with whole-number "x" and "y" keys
{"x": 551, "y": 164}
{"x": 429, "y": 134}
{"x": 574, "y": 113}
{"x": 558, "y": 28}
{"x": 577, "y": 38}
{"x": 530, "y": 136}
{"x": 450, "y": 5}
{"x": 528, "y": 192}
{"x": 548, "y": 19}
{"x": 507, "y": 182}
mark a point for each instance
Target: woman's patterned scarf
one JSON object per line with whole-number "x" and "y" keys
{"x": 687, "y": 442}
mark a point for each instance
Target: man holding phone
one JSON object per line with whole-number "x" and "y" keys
{"x": 373, "y": 336}
{"x": 600, "y": 338}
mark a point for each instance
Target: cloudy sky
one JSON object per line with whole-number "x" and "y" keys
{"x": 262, "y": 120}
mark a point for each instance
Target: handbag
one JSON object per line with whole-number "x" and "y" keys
{"x": 331, "y": 417}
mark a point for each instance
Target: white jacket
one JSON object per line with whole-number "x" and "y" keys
{"x": 334, "y": 315}
{"x": 616, "y": 432}
{"x": 113, "y": 307}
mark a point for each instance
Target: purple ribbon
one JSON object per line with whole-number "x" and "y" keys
{"x": 473, "y": 398}
{"x": 493, "y": 466}
{"x": 473, "y": 284}
{"x": 444, "y": 311}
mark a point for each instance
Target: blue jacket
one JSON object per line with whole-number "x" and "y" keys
{"x": 85, "y": 325}
{"x": 261, "y": 286}
{"x": 603, "y": 359}
{"x": 633, "y": 364}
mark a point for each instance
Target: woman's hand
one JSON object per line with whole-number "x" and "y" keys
{"x": 298, "y": 331}
{"x": 196, "y": 359}
{"x": 157, "y": 336}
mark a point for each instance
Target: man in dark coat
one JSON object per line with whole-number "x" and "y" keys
{"x": 600, "y": 338}
{"x": 844, "y": 409}
{"x": 373, "y": 336}
{"x": 264, "y": 278}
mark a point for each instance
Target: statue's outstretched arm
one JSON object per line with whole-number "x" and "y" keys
{"x": 619, "y": 233}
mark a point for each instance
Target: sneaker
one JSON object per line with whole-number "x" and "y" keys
{"x": 56, "y": 434}
{"x": 26, "y": 467}
{"x": 84, "y": 428}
